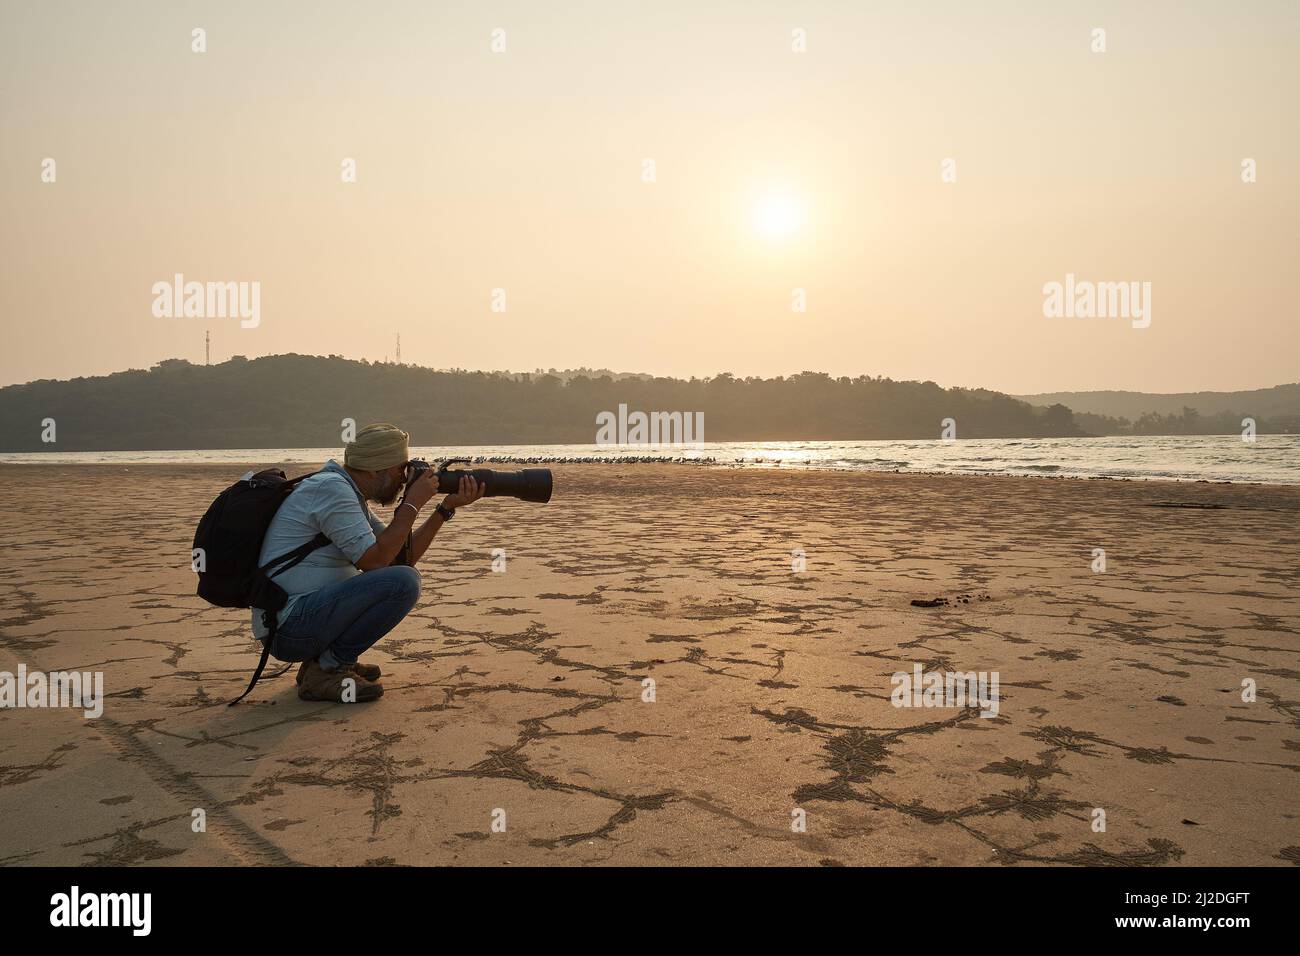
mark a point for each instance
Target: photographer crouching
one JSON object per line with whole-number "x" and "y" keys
{"x": 347, "y": 594}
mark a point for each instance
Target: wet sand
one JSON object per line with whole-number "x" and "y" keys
{"x": 518, "y": 697}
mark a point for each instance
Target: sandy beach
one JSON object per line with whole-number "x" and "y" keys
{"x": 519, "y": 698}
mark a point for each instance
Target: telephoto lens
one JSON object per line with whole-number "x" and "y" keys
{"x": 531, "y": 484}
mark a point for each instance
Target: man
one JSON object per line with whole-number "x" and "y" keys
{"x": 346, "y": 595}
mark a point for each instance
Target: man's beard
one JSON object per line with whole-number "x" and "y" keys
{"x": 387, "y": 493}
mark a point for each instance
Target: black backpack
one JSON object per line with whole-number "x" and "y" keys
{"x": 228, "y": 543}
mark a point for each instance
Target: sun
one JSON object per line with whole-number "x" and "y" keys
{"x": 778, "y": 216}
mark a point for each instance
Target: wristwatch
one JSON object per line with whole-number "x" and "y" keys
{"x": 447, "y": 513}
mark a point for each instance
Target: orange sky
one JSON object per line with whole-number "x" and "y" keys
{"x": 775, "y": 170}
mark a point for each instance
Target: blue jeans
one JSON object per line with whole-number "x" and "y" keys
{"x": 338, "y": 623}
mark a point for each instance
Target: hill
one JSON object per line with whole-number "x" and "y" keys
{"x": 300, "y": 401}
{"x": 1278, "y": 401}
{"x": 1275, "y": 409}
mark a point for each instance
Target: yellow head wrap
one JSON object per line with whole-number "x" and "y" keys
{"x": 377, "y": 447}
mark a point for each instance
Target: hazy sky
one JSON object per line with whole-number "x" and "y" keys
{"x": 774, "y": 170}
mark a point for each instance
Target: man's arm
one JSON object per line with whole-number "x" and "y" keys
{"x": 390, "y": 540}
{"x": 424, "y": 536}
{"x": 470, "y": 492}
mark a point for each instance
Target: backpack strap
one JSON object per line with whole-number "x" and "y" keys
{"x": 291, "y": 558}
{"x": 294, "y": 481}
{"x": 270, "y": 619}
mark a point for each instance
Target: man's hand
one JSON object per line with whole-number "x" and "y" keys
{"x": 470, "y": 492}
{"x": 419, "y": 491}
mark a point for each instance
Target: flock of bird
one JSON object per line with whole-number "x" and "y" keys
{"x": 590, "y": 460}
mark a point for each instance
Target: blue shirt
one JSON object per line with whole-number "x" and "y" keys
{"x": 330, "y": 502}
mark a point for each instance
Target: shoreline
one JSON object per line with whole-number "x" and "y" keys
{"x": 294, "y": 466}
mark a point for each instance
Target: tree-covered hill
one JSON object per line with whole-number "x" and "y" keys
{"x": 300, "y": 401}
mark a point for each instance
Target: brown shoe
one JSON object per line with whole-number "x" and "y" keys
{"x": 320, "y": 684}
{"x": 370, "y": 672}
